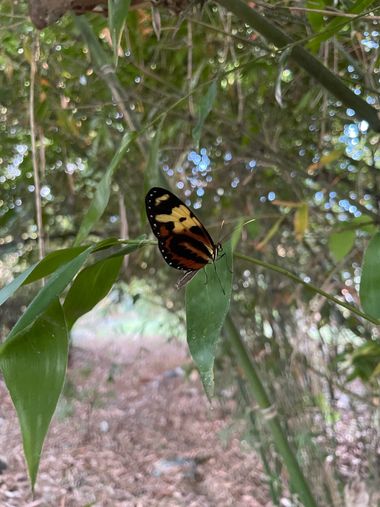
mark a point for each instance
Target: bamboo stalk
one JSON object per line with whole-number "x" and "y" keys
{"x": 33, "y": 134}
{"x": 256, "y": 387}
{"x": 310, "y": 286}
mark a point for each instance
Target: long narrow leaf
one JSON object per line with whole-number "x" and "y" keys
{"x": 205, "y": 108}
{"x": 48, "y": 265}
{"x": 90, "y": 286}
{"x": 54, "y": 287}
{"x": 40, "y": 269}
{"x": 153, "y": 177}
{"x": 336, "y": 25}
{"x": 301, "y": 221}
{"x": 103, "y": 192}
{"x": 33, "y": 363}
{"x": 7, "y": 291}
{"x": 370, "y": 280}
{"x": 315, "y": 18}
{"x": 340, "y": 243}
{"x": 99, "y": 57}
{"x": 53, "y": 261}
{"x": 117, "y": 14}
{"x": 94, "y": 282}
{"x": 207, "y": 304}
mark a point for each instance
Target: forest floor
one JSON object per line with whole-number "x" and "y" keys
{"x": 132, "y": 430}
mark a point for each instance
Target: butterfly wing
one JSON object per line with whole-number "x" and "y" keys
{"x": 183, "y": 240}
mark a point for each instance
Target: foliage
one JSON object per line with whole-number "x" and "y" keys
{"x": 275, "y": 143}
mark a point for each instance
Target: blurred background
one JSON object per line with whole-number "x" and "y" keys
{"x": 244, "y": 132}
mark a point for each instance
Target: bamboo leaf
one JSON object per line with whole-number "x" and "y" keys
{"x": 99, "y": 57}
{"x": 94, "y": 282}
{"x": 301, "y": 221}
{"x": 325, "y": 160}
{"x": 117, "y": 15}
{"x": 205, "y": 108}
{"x": 335, "y": 25}
{"x": 206, "y": 309}
{"x": 366, "y": 361}
{"x": 340, "y": 243}
{"x": 54, "y": 287}
{"x": 365, "y": 223}
{"x": 33, "y": 362}
{"x": 50, "y": 263}
{"x": 103, "y": 192}
{"x": 40, "y": 269}
{"x": 315, "y": 18}
{"x": 370, "y": 280}
{"x": 90, "y": 286}
{"x": 269, "y": 235}
{"x": 153, "y": 177}
{"x": 7, "y": 291}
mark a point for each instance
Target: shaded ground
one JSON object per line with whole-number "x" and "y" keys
{"x": 132, "y": 431}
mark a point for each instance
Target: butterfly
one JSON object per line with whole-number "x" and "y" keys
{"x": 182, "y": 238}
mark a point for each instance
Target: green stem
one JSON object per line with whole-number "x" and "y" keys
{"x": 310, "y": 286}
{"x": 304, "y": 59}
{"x": 257, "y": 389}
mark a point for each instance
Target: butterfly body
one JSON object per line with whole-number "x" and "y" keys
{"x": 182, "y": 239}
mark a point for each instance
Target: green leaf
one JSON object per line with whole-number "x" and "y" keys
{"x": 206, "y": 309}
{"x": 253, "y": 229}
{"x": 237, "y": 231}
{"x": 103, "y": 192}
{"x": 45, "y": 267}
{"x": 94, "y": 282}
{"x": 365, "y": 223}
{"x": 153, "y": 176}
{"x": 315, "y": 18}
{"x": 335, "y": 25}
{"x": 33, "y": 363}
{"x": 7, "y": 217}
{"x": 56, "y": 284}
{"x": 340, "y": 243}
{"x": 117, "y": 14}
{"x": 301, "y": 221}
{"x": 7, "y": 291}
{"x": 90, "y": 286}
{"x": 205, "y": 107}
{"x": 366, "y": 361}
{"x": 304, "y": 102}
{"x": 370, "y": 280}
{"x": 236, "y": 234}
{"x": 99, "y": 57}
{"x": 53, "y": 261}
{"x": 326, "y": 159}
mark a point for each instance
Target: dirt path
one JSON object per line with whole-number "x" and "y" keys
{"x": 131, "y": 430}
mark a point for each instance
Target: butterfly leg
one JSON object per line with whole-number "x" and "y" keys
{"x": 217, "y": 276}
{"x": 228, "y": 266}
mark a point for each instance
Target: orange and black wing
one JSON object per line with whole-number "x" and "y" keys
{"x": 183, "y": 241}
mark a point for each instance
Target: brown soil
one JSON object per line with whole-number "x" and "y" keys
{"x": 131, "y": 430}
